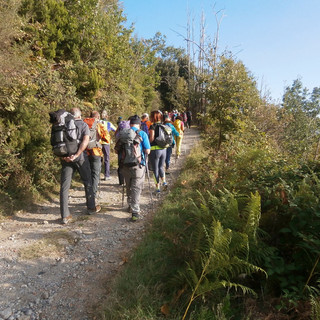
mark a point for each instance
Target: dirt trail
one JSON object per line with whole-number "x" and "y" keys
{"x": 77, "y": 261}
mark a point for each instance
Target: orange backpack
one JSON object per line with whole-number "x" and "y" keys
{"x": 104, "y": 133}
{"x": 93, "y": 136}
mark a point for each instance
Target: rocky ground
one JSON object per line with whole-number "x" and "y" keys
{"x": 52, "y": 271}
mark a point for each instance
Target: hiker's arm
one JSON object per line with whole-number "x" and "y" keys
{"x": 82, "y": 147}
{"x": 151, "y": 135}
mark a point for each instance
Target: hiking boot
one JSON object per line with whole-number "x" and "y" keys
{"x": 135, "y": 217}
{"x": 95, "y": 210}
{"x": 165, "y": 186}
{"x": 66, "y": 220}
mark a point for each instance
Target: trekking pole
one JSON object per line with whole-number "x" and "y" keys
{"x": 123, "y": 194}
{"x": 148, "y": 175}
{"x": 99, "y": 189}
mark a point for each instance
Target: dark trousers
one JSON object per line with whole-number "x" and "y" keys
{"x": 168, "y": 157}
{"x": 95, "y": 166}
{"x": 106, "y": 159}
{"x": 67, "y": 172}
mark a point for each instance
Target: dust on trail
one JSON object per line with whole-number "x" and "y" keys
{"x": 76, "y": 262}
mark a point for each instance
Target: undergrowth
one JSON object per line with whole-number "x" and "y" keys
{"x": 192, "y": 257}
{"x": 236, "y": 238}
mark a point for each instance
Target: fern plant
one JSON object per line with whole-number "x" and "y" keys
{"x": 221, "y": 254}
{"x": 314, "y": 294}
{"x": 315, "y": 308}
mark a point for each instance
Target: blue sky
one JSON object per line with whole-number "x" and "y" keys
{"x": 277, "y": 40}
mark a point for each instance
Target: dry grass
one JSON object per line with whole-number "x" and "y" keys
{"x": 52, "y": 245}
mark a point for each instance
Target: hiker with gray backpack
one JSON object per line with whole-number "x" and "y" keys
{"x": 69, "y": 139}
{"x": 122, "y": 124}
{"x": 132, "y": 146}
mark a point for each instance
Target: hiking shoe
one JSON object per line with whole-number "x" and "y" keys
{"x": 66, "y": 220}
{"x": 95, "y": 210}
{"x": 165, "y": 186}
{"x": 129, "y": 209}
{"x": 135, "y": 217}
{"x": 167, "y": 171}
{"x": 107, "y": 178}
{"x": 157, "y": 192}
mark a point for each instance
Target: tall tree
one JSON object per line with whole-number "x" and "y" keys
{"x": 302, "y": 125}
{"x": 231, "y": 93}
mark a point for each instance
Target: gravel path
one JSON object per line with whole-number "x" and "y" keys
{"x": 52, "y": 271}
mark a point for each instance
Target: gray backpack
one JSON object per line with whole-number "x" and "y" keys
{"x": 165, "y": 137}
{"x": 128, "y": 147}
{"x": 63, "y": 133}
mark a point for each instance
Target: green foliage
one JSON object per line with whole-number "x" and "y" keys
{"x": 231, "y": 94}
{"x": 173, "y": 87}
{"x": 62, "y": 53}
{"x": 301, "y": 128}
{"x": 210, "y": 258}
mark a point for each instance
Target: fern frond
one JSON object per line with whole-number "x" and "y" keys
{"x": 242, "y": 266}
{"x": 207, "y": 287}
{"x": 315, "y": 308}
{"x": 236, "y": 286}
{"x": 253, "y": 213}
{"x": 239, "y": 245}
{"x": 191, "y": 277}
{"x": 221, "y": 237}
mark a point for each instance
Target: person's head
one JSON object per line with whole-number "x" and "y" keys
{"x": 95, "y": 114}
{"x": 155, "y": 116}
{"x": 119, "y": 120}
{"x": 144, "y": 117}
{"x": 166, "y": 118}
{"x": 179, "y": 118}
{"x": 76, "y": 112}
{"x": 135, "y": 121}
{"x": 104, "y": 114}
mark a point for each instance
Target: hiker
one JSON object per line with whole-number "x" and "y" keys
{"x": 133, "y": 151}
{"x": 106, "y": 144}
{"x": 119, "y": 120}
{"x": 145, "y": 123}
{"x": 122, "y": 124}
{"x": 175, "y": 133}
{"x": 174, "y": 114}
{"x": 98, "y": 134}
{"x": 178, "y": 124}
{"x": 189, "y": 118}
{"x": 80, "y": 162}
{"x": 157, "y": 154}
{"x": 184, "y": 118}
